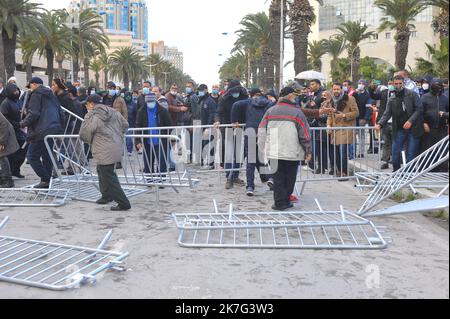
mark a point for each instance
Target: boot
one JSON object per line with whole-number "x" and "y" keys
{"x": 7, "y": 182}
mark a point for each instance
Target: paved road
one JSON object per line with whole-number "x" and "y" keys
{"x": 416, "y": 264}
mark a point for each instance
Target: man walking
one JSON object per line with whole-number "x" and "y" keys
{"x": 104, "y": 129}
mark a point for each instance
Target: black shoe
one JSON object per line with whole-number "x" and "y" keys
{"x": 18, "y": 175}
{"x": 274, "y": 207}
{"x": 119, "y": 208}
{"x": 7, "y": 182}
{"x": 270, "y": 185}
{"x": 385, "y": 166}
{"x": 360, "y": 156}
{"x": 104, "y": 201}
{"x": 331, "y": 172}
{"x": 119, "y": 166}
{"x": 42, "y": 185}
{"x": 69, "y": 172}
{"x": 319, "y": 171}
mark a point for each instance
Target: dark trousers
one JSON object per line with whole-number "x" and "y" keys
{"x": 387, "y": 143}
{"x": 17, "y": 159}
{"x": 155, "y": 158}
{"x": 412, "y": 150}
{"x": 339, "y": 158}
{"x": 284, "y": 181}
{"x": 252, "y": 164}
{"x": 40, "y": 160}
{"x": 110, "y": 186}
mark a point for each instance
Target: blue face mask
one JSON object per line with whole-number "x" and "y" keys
{"x": 235, "y": 95}
{"x": 216, "y": 92}
{"x": 112, "y": 92}
{"x": 151, "y": 105}
{"x": 188, "y": 90}
{"x": 146, "y": 91}
{"x": 201, "y": 94}
{"x": 391, "y": 88}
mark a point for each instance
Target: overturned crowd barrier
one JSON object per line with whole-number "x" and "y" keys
{"x": 287, "y": 230}
{"x": 29, "y": 197}
{"x": 406, "y": 175}
{"x": 54, "y": 266}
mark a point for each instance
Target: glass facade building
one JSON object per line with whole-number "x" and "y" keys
{"x": 335, "y": 12}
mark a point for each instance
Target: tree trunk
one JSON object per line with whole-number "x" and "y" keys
{"x": 254, "y": 73}
{"x": 97, "y": 80}
{"x": 29, "y": 70}
{"x": 9, "y": 50}
{"x": 354, "y": 60}
{"x": 126, "y": 79}
{"x": 61, "y": 73}
{"x": 86, "y": 72}
{"x": 50, "y": 71}
{"x": 275, "y": 18}
{"x": 105, "y": 73}
{"x": 401, "y": 48}
{"x": 260, "y": 75}
{"x": 76, "y": 68}
{"x": 267, "y": 60}
{"x": 2, "y": 60}
{"x": 442, "y": 21}
{"x": 300, "y": 38}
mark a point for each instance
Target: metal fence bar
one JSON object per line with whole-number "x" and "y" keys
{"x": 29, "y": 197}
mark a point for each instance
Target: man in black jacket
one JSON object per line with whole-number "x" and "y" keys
{"x": 407, "y": 122}
{"x": 43, "y": 117}
{"x": 154, "y": 116}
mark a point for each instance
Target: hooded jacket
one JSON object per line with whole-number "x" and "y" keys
{"x": 432, "y": 105}
{"x": 44, "y": 115}
{"x": 226, "y": 102}
{"x": 7, "y": 137}
{"x": 104, "y": 128}
{"x": 208, "y": 109}
{"x": 284, "y": 133}
{"x": 11, "y": 108}
{"x": 250, "y": 112}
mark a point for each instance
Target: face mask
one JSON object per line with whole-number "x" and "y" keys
{"x": 151, "y": 105}
{"x": 361, "y": 87}
{"x": 201, "y": 94}
{"x": 235, "y": 95}
{"x": 174, "y": 93}
{"x": 112, "y": 92}
{"x": 146, "y": 91}
{"x": 436, "y": 89}
{"x": 426, "y": 86}
{"x": 391, "y": 88}
{"x": 226, "y": 88}
{"x": 188, "y": 90}
{"x": 215, "y": 92}
{"x": 345, "y": 89}
{"x": 92, "y": 92}
{"x": 122, "y": 95}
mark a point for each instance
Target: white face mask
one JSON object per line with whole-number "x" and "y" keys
{"x": 361, "y": 87}
{"x": 426, "y": 86}
{"x": 173, "y": 93}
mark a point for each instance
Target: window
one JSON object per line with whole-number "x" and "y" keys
{"x": 413, "y": 34}
{"x": 375, "y": 36}
{"x": 388, "y": 35}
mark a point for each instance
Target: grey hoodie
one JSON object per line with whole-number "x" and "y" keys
{"x": 104, "y": 129}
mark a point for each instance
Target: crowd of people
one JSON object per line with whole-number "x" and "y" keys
{"x": 412, "y": 116}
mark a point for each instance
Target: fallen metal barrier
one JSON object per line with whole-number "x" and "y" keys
{"x": 406, "y": 175}
{"x": 28, "y": 197}
{"x": 54, "y": 266}
{"x": 290, "y": 230}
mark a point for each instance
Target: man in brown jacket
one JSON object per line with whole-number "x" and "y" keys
{"x": 346, "y": 114}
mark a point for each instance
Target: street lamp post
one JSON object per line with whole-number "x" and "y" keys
{"x": 165, "y": 79}
{"x": 74, "y": 22}
{"x": 281, "y": 45}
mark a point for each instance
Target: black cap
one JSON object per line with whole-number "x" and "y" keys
{"x": 94, "y": 98}
{"x": 36, "y": 80}
{"x": 437, "y": 81}
{"x": 286, "y": 91}
{"x": 255, "y": 91}
{"x": 202, "y": 87}
{"x": 111, "y": 84}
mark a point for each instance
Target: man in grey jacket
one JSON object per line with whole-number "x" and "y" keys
{"x": 8, "y": 146}
{"x": 104, "y": 129}
{"x": 283, "y": 137}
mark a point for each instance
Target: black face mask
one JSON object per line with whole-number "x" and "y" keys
{"x": 436, "y": 89}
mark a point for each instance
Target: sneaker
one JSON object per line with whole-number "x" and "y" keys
{"x": 250, "y": 192}
{"x": 119, "y": 166}
{"x": 229, "y": 184}
{"x": 238, "y": 182}
{"x": 270, "y": 185}
{"x": 293, "y": 199}
{"x": 104, "y": 201}
{"x": 42, "y": 185}
{"x": 119, "y": 208}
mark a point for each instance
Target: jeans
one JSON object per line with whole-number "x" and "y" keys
{"x": 387, "y": 143}
{"x": 412, "y": 149}
{"x": 40, "y": 160}
{"x": 252, "y": 164}
{"x": 339, "y": 158}
{"x": 155, "y": 158}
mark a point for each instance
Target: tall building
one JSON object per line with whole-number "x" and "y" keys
{"x": 382, "y": 45}
{"x": 121, "y": 16}
{"x": 170, "y": 54}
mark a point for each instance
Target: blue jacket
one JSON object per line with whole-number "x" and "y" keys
{"x": 208, "y": 109}
{"x": 362, "y": 99}
{"x": 44, "y": 115}
{"x": 250, "y": 112}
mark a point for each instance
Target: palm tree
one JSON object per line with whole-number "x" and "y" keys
{"x": 440, "y": 23}
{"x": 302, "y": 17}
{"x": 354, "y": 32}
{"x": 54, "y": 39}
{"x": 398, "y": 16}
{"x": 256, "y": 33}
{"x": 334, "y": 46}
{"x": 96, "y": 66}
{"x": 29, "y": 48}
{"x": 17, "y": 16}
{"x": 88, "y": 38}
{"x": 125, "y": 63}
{"x": 316, "y": 50}
{"x": 276, "y": 32}
{"x": 437, "y": 61}
{"x": 341, "y": 70}
{"x": 104, "y": 61}
{"x": 234, "y": 67}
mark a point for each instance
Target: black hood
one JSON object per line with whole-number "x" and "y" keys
{"x": 44, "y": 91}
{"x": 260, "y": 103}
{"x": 10, "y": 90}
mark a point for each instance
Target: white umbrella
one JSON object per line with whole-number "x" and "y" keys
{"x": 310, "y": 75}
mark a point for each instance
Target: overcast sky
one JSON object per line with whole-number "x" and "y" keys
{"x": 196, "y": 28}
